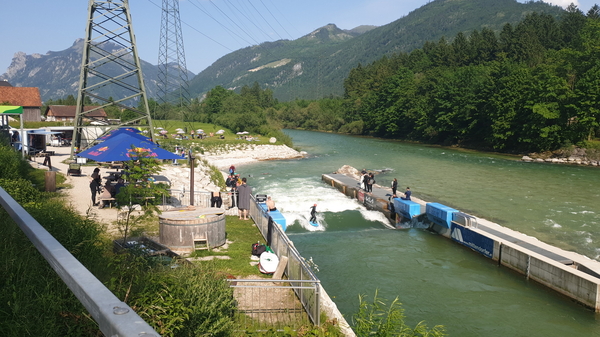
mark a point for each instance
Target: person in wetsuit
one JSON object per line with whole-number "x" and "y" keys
{"x": 313, "y": 213}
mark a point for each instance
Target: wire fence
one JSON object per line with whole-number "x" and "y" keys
{"x": 260, "y": 302}
{"x": 297, "y": 271}
{"x": 265, "y": 304}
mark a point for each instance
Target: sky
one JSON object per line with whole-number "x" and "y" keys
{"x": 211, "y": 28}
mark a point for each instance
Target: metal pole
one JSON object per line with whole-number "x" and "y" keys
{"x": 191, "y": 156}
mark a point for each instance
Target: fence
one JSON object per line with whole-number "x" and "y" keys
{"x": 264, "y": 304}
{"x": 301, "y": 281}
{"x": 114, "y": 318}
{"x": 297, "y": 271}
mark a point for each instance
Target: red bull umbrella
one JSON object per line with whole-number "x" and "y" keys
{"x": 124, "y": 147}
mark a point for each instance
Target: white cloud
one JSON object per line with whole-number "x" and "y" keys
{"x": 563, "y": 3}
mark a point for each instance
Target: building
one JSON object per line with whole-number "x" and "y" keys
{"x": 66, "y": 113}
{"x": 28, "y": 98}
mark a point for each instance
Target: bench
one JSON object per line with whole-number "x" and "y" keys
{"x": 110, "y": 201}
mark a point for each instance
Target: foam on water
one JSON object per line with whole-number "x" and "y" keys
{"x": 294, "y": 198}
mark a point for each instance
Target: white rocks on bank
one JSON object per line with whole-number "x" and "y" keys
{"x": 570, "y": 160}
{"x": 179, "y": 176}
{"x": 227, "y": 156}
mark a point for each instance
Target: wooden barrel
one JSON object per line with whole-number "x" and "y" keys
{"x": 179, "y": 229}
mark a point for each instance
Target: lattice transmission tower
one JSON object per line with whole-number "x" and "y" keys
{"x": 173, "y": 84}
{"x": 110, "y": 67}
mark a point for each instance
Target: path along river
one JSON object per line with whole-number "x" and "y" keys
{"x": 435, "y": 279}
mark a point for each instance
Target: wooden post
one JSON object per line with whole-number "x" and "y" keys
{"x": 50, "y": 179}
{"x": 191, "y": 157}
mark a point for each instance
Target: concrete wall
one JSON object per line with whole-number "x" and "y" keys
{"x": 569, "y": 280}
{"x": 565, "y": 279}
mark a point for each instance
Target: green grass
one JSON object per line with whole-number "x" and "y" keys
{"x": 242, "y": 234}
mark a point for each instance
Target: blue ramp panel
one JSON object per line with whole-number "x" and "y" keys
{"x": 276, "y": 215}
{"x": 406, "y": 208}
{"x": 440, "y": 214}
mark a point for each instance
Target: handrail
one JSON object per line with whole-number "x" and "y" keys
{"x": 296, "y": 269}
{"x": 468, "y": 220}
{"x": 114, "y": 318}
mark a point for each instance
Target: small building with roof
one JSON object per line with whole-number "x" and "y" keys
{"x": 27, "y": 97}
{"x": 66, "y": 113}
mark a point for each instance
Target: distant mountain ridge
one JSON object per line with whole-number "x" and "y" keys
{"x": 316, "y": 64}
{"x": 312, "y": 66}
{"x": 56, "y": 73}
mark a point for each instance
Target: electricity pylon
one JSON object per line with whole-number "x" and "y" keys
{"x": 110, "y": 66}
{"x": 173, "y": 85}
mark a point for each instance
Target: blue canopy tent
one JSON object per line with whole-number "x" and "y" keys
{"x": 124, "y": 147}
{"x": 129, "y": 131}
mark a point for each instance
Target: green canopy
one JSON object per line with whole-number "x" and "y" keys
{"x": 11, "y": 109}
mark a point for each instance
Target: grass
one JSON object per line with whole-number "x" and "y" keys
{"x": 241, "y": 235}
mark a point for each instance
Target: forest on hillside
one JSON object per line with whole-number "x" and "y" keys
{"x": 534, "y": 86}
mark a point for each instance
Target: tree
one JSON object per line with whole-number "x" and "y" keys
{"x": 141, "y": 192}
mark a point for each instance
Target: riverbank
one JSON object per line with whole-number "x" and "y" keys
{"x": 177, "y": 176}
{"x": 226, "y": 156}
{"x": 572, "y": 155}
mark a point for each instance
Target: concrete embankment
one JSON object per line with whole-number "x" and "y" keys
{"x": 568, "y": 273}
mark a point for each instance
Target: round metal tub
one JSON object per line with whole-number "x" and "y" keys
{"x": 185, "y": 229}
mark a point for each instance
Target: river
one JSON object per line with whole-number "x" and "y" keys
{"x": 435, "y": 279}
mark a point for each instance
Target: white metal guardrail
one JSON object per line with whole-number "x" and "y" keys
{"x": 114, "y": 318}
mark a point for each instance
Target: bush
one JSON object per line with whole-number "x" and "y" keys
{"x": 187, "y": 301}
{"x": 12, "y": 166}
{"x": 376, "y": 318}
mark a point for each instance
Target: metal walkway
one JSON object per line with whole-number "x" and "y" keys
{"x": 506, "y": 235}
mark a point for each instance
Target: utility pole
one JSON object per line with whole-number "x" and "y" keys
{"x": 110, "y": 67}
{"x": 191, "y": 156}
{"x": 173, "y": 87}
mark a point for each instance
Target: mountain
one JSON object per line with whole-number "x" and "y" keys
{"x": 312, "y": 66}
{"x": 316, "y": 64}
{"x": 56, "y": 73}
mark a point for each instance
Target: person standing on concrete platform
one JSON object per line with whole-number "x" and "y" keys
{"x": 244, "y": 192}
{"x": 394, "y": 186}
{"x": 392, "y": 208}
{"x": 370, "y": 181}
{"x": 363, "y": 179}
{"x": 407, "y": 194}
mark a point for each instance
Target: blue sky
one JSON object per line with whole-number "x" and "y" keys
{"x": 211, "y": 28}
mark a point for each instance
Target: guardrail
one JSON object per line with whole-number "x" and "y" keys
{"x": 114, "y": 318}
{"x": 465, "y": 219}
{"x": 297, "y": 270}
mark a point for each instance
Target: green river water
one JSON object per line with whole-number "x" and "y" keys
{"x": 437, "y": 280}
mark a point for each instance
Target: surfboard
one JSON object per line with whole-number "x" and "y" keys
{"x": 313, "y": 224}
{"x": 268, "y": 263}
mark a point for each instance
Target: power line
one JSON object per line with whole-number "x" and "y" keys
{"x": 232, "y": 21}
{"x": 192, "y": 27}
{"x": 276, "y": 19}
{"x": 252, "y": 21}
{"x": 265, "y": 20}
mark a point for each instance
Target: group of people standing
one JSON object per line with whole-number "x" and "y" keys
{"x": 240, "y": 192}
{"x": 367, "y": 180}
